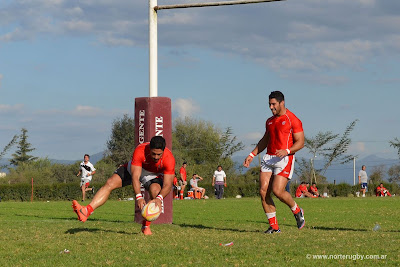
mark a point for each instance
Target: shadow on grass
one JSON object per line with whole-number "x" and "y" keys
{"x": 200, "y": 226}
{"x": 95, "y": 230}
{"x": 324, "y": 228}
{"x": 68, "y": 218}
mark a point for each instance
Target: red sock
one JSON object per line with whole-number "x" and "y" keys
{"x": 295, "y": 209}
{"x": 181, "y": 194}
{"x": 146, "y": 223}
{"x": 89, "y": 209}
{"x": 273, "y": 223}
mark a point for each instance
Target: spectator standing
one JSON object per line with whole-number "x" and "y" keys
{"x": 182, "y": 178}
{"x": 363, "y": 180}
{"x": 219, "y": 182}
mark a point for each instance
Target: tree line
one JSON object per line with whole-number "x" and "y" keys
{"x": 200, "y": 143}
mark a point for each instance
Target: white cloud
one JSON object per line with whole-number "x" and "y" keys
{"x": 254, "y": 136}
{"x": 74, "y": 11}
{"x": 175, "y": 18}
{"x": 111, "y": 40}
{"x": 309, "y": 36}
{"x": 357, "y": 147}
{"x": 185, "y": 107}
{"x": 6, "y": 109}
{"x": 86, "y": 111}
{"x": 78, "y": 25}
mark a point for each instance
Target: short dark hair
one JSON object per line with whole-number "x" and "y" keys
{"x": 86, "y": 155}
{"x": 219, "y": 166}
{"x": 277, "y": 95}
{"x": 157, "y": 142}
{"x": 184, "y": 163}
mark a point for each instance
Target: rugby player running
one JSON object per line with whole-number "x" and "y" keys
{"x": 283, "y": 137}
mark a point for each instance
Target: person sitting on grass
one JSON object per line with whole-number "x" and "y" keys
{"x": 195, "y": 188}
{"x": 302, "y": 190}
{"x": 382, "y": 191}
{"x": 176, "y": 188}
{"x": 314, "y": 190}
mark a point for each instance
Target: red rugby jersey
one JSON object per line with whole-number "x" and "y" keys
{"x": 142, "y": 157}
{"x": 280, "y": 130}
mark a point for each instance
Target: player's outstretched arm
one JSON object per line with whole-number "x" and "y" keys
{"x": 136, "y": 172}
{"x": 261, "y": 145}
{"x": 167, "y": 184}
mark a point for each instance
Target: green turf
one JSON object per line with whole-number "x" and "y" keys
{"x": 34, "y": 234}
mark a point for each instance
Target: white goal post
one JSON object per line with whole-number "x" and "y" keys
{"x": 153, "y": 57}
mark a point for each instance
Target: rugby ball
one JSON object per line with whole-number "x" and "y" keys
{"x": 151, "y": 211}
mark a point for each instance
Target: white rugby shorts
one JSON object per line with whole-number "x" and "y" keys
{"x": 278, "y": 166}
{"x": 147, "y": 176}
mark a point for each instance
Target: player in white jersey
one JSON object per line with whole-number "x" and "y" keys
{"x": 86, "y": 170}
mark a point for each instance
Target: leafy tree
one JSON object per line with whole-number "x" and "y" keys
{"x": 394, "y": 173}
{"x": 122, "y": 140}
{"x": 396, "y": 144}
{"x": 63, "y": 173}
{"x": 203, "y": 146}
{"x": 7, "y": 147}
{"x": 338, "y": 150}
{"x": 330, "y": 147}
{"x": 377, "y": 174}
{"x": 306, "y": 172}
{"x": 39, "y": 170}
{"x": 317, "y": 145}
{"x": 21, "y": 155}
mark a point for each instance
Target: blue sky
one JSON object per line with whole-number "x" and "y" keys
{"x": 68, "y": 68}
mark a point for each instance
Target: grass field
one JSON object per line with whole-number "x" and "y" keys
{"x": 34, "y": 234}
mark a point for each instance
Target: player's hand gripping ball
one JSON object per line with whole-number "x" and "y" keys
{"x": 151, "y": 211}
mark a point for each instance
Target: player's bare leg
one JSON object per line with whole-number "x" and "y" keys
{"x": 203, "y": 192}
{"x": 83, "y": 188}
{"x": 279, "y": 190}
{"x": 182, "y": 190}
{"x": 268, "y": 204}
{"x": 99, "y": 199}
{"x": 104, "y": 192}
{"x": 265, "y": 192}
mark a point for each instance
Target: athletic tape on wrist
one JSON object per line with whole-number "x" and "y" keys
{"x": 139, "y": 196}
{"x": 160, "y": 197}
{"x": 288, "y": 150}
{"x": 252, "y": 155}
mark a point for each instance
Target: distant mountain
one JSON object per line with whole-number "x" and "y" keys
{"x": 93, "y": 159}
{"x": 338, "y": 172}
